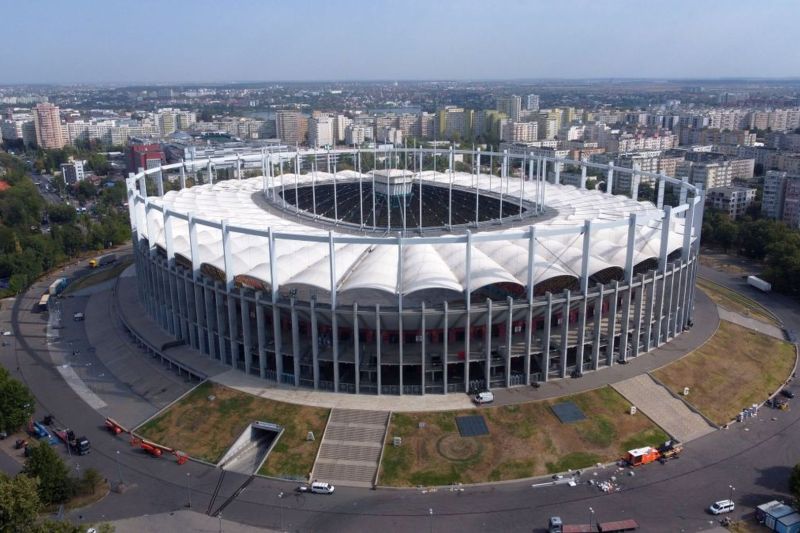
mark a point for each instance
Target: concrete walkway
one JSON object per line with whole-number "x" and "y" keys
{"x": 751, "y": 323}
{"x": 663, "y": 408}
{"x": 180, "y": 522}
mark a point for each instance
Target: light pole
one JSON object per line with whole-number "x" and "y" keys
{"x": 220, "y": 522}
{"x": 430, "y": 521}
{"x": 119, "y": 469}
{"x": 280, "y": 497}
{"x": 189, "y": 488}
{"x": 591, "y": 517}
{"x": 731, "y": 490}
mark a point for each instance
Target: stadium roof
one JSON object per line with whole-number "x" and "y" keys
{"x": 424, "y": 266}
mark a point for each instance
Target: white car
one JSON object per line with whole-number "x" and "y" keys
{"x": 722, "y": 506}
{"x": 484, "y": 397}
{"x": 318, "y": 487}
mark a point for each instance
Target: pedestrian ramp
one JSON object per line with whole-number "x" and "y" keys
{"x": 669, "y": 412}
{"x": 351, "y": 447}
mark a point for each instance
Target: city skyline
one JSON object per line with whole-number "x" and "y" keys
{"x": 355, "y": 40}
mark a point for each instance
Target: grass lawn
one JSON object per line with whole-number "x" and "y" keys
{"x": 735, "y": 302}
{"x": 525, "y": 440}
{"x": 737, "y": 367}
{"x": 205, "y": 429}
{"x": 98, "y": 277}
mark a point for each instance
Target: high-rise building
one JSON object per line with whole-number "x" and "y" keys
{"x": 455, "y": 122}
{"x": 320, "y": 131}
{"x": 791, "y": 203}
{"x": 510, "y": 105}
{"x": 773, "y": 196}
{"x": 733, "y": 201}
{"x": 47, "y": 122}
{"x": 14, "y": 129}
{"x": 340, "y": 124}
{"x": 532, "y": 102}
{"x": 292, "y": 126}
{"x": 355, "y": 135}
{"x": 72, "y": 172}
{"x": 519, "y": 131}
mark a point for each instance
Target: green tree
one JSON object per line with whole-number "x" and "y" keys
{"x": 16, "y": 403}
{"x": 44, "y": 464}
{"x": 725, "y": 233}
{"x": 19, "y": 503}
{"x": 61, "y": 214}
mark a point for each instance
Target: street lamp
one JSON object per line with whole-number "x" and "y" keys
{"x": 220, "y": 522}
{"x": 119, "y": 470}
{"x": 189, "y": 488}
{"x": 430, "y": 522}
{"x": 280, "y": 497}
{"x": 591, "y": 517}
{"x": 731, "y": 489}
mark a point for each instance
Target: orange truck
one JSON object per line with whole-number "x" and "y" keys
{"x": 642, "y": 456}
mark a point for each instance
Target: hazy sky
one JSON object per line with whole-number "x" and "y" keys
{"x": 230, "y": 40}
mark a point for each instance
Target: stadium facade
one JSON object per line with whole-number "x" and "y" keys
{"x": 413, "y": 279}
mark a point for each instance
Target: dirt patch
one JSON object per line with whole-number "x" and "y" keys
{"x": 736, "y": 302}
{"x": 525, "y": 440}
{"x": 736, "y": 368}
{"x": 732, "y": 264}
{"x": 205, "y": 429}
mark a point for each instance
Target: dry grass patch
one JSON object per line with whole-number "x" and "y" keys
{"x": 732, "y": 264}
{"x": 737, "y": 367}
{"x": 205, "y": 429}
{"x": 525, "y": 440}
{"x": 735, "y": 302}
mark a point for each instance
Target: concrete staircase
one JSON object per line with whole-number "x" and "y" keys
{"x": 351, "y": 447}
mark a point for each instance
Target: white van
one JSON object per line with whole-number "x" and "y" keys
{"x": 319, "y": 487}
{"x": 484, "y": 397}
{"x": 722, "y": 506}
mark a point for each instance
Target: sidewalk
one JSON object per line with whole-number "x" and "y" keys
{"x": 180, "y": 522}
{"x": 704, "y": 327}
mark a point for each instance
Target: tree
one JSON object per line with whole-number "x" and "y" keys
{"x": 725, "y": 234}
{"x": 44, "y": 464}
{"x": 61, "y": 214}
{"x": 16, "y": 402}
{"x": 19, "y": 503}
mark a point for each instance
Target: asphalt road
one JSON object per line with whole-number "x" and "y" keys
{"x": 755, "y": 458}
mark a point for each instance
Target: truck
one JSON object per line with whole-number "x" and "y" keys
{"x": 58, "y": 286}
{"x": 556, "y": 525}
{"x": 758, "y": 283}
{"x": 103, "y": 260}
{"x": 642, "y": 456}
{"x": 79, "y": 445}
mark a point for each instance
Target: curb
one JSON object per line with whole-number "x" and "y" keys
{"x": 768, "y": 311}
{"x": 687, "y": 404}
{"x": 170, "y": 404}
{"x": 319, "y": 448}
{"x": 383, "y": 448}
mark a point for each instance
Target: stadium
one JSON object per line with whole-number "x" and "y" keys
{"x": 414, "y": 271}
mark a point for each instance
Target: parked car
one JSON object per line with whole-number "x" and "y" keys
{"x": 722, "y": 506}
{"x": 484, "y": 397}
{"x": 319, "y": 487}
{"x": 787, "y": 393}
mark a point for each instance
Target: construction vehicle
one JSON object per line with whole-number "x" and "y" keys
{"x": 157, "y": 450}
{"x": 115, "y": 427}
{"x": 79, "y": 445}
{"x": 642, "y": 456}
{"x": 670, "y": 450}
{"x": 103, "y": 260}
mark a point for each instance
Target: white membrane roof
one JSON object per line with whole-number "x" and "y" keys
{"x": 423, "y": 266}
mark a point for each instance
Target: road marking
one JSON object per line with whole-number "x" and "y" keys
{"x": 80, "y": 387}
